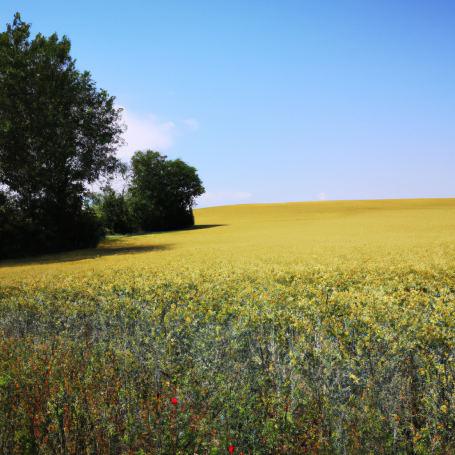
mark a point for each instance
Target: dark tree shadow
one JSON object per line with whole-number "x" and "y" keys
{"x": 113, "y": 245}
{"x": 192, "y": 228}
{"x": 113, "y": 248}
{"x": 204, "y": 226}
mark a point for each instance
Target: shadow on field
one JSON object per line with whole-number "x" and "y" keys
{"x": 107, "y": 249}
{"x": 204, "y": 226}
{"x": 192, "y": 228}
{"x": 111, "y": 246}
{"x": 120, "y": 237}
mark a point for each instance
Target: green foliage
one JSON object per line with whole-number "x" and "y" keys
{"x": 323, "y": 362}
{"x": 22, "y": 237}
{"x": 115, "y": 211}
{"x": 15, "y": 232}
{"x": 156, "y": 195}
{"x": 163, "y": 192}
{"x": 57, "y": 133}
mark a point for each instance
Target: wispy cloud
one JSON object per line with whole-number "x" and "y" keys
{"x": 222, "y": 198}
{"x": 321, "y": 196}
{"x": 193, "y": 124}
{"x": 146, "y": 132}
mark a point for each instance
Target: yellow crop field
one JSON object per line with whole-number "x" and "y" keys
{"x": 315, "y": 327}
{"x": 341, "y": 234}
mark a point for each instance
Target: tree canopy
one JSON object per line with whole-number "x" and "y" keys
{"x": 163, "y": 191}
{"x": 159, "y": 195}
{"x": 58, "y": 133}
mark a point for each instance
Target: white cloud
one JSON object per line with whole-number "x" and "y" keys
{"x": 193, "y": 124}
{"x": 209, "y": 199}
{"x": 145, "y": 132}
{"x": 321, "y": 196}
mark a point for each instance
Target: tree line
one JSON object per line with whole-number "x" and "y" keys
{"x": 59, "y": 136}
{"x": 155, "y": 195}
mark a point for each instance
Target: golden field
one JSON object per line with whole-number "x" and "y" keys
{"x": 315, "y": 327}
{"x": 418, "y": 233}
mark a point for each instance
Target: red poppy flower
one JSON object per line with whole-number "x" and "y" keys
{"x": 231, "y": 449}
{"x": 174, "y": 400}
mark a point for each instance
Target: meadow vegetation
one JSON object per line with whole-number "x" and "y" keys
{"x": 320, "y": 327}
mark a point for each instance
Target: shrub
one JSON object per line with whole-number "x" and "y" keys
{"x": 53, "y": 232}
{"x": 16, "y": 233}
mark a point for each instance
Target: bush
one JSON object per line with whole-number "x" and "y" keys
{"x": 16, "y": 233}
{"x": 54, "y": 232}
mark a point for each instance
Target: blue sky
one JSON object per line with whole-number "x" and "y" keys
{"x": 276, "y": 101}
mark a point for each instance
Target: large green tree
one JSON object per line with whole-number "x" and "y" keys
{"x": 163, "y": 191}
{"x": 58, "y": 133}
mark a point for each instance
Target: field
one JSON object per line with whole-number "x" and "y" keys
{"x": 318, "y": 327}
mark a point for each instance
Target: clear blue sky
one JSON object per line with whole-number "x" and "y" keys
{"x": 276, "y": 101}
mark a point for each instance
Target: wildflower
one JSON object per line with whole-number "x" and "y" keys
{"x": 231, "y": 449}
{"x": 174, "y": 400}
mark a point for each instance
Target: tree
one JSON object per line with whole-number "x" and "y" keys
{"x": 58, "y": 133}
{"x": 150, "y": 194}
{"x": 163, "y": 192}
{"x": 113, "y": 204}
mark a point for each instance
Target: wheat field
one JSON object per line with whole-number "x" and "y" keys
{"x": 417, "y": 233}
{"x": 313, "y": 327}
